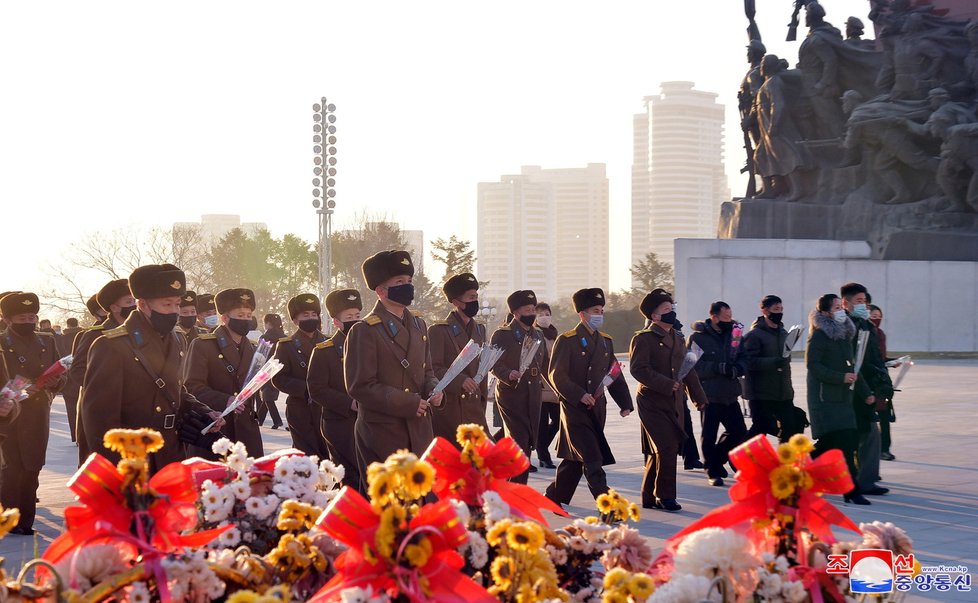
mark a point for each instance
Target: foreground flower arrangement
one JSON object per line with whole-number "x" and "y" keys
{"x": 445, "y": 527}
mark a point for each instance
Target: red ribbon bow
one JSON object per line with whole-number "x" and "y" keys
{"x": 461, "y": 480}
{"x": 753, "y": 499}
{"x": 351, "y": 520}
{"x": 105, "y": 516}
{"x": 219, "y": 473}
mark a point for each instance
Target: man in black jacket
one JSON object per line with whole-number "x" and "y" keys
{"x": 767, "y": 383}
{"x": 718, "y": 369}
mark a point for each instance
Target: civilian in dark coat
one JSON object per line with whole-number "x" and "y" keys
{"x": 70, "y": 391}
{"x": 767, "y": 384}
{"x": 886, "y": 415}
{"x": 718, "y": 369}
{"x": 549, "y": 405}
{"x": 269, "y": 395}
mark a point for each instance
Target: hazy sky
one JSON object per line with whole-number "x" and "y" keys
{"x": 117, "y": 113}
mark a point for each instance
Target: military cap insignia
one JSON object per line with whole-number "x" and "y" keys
{"x": 406, "y": 262}
{"x": 471, "y": 278}
{"x": 188, "y": 298}
{"x": 598, "y": 295}
{"x": 26, "y": 302}
{"x": 175, "y": 285}
{"x": 352, "y": 297}
{"x": 210, "y": 302}
{"x": 245, "y": 297}
{"x": 310, "y": 301}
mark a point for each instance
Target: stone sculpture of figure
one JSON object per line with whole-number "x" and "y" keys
{"x": 958, "y": 171}
{"x": 854, "y": 34}
{"x": 779, "y": 157}
{"x": 944, "y": 114}
{"x": 877, "y": 136}
{"x": 971, "y": 60}
{"x": 748, "y": 120}
{"x": 917, "y": 58}
{"x": 819, "y": 65}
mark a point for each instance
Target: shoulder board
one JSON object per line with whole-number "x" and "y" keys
{"x": 207, "y": 336}
{"x": 324, "y": 344}
{"x": 372, "y": 320}
{"x": 418, "y": 315}
{"x": 606, "y": 336}
{"x": 643, "y": 331}
{"x": 116, "y": 332}
{"x": 571, "y": 333}
{"x": 282, "y": 340}
{"x": 46, "y": 335}
{"x": 439, "y": 322}
{"x": 504, "y": 327}
{"x": 96, "y": 328}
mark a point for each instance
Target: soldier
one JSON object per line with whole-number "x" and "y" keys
{"x": 388, "y": 366}
{"x": 207, "y": 318}
{"x": 269, "y": 395}
{"x": 96, "y": 310}
{"x": 327, "y": 387}
{"x": 218, "y": 365}
{"x": 294, "y": 352}
{"x": 465, "y": 400}
{"x": 188, "y": 316}
{"x": 117, "y": 302}
{"x": 70, "y": 391}
{"x": 133, "y": 379}
{"x": 581, "y": 360}
{"x": 28, "y": 353}
{"x": 518, "y": 393}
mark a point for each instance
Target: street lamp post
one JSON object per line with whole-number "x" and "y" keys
{"x": 324, "y": 186}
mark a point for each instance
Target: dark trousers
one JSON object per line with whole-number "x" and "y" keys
{"x": 659, "y": 480}
{"x": 773, "y": 417}
{"x": 569, "y": 476}
{"x": 267, "y": 407}
{"x": 846, "y": 440}
{"x": 715, "y": 453}
{"x": 70, "y": 394}
{"x": 549, "y": 426}
{"x": 885, "y": 420}
{"x": 18, "y": 484}
{"x": 691, "y": 453}
{"x": 304, "y": 421}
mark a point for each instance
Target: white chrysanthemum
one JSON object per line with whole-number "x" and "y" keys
{"x": 253, "y": 505}
{"x": 494, "y": 507}
{"x": 478, "y": 550}
{"x": 222, "y": 557}
{"x": 330, "y": 474}
{"x": 230, "y": 538}
{"x": 557, "y": 555}
{"x": 781, "y": 564}
{"x": 462, "y": 510}
{"x": 593, "y": 532}
{"x": 239, "y": 463}
{"x": 241, "y": 489}
{"x": 713, "y": 550}
{"x": 359, "y": 595}
{"x": 794, "y": 592}
{"x": 139, "y": 593}
{"x": 221, "y": 447}
{"x": 322, "y": 499}
{"x": 684, "y": 589}
{"x": 769, "y": 585}
{"x": 285, "y": 491}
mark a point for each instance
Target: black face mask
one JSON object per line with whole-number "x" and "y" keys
{"x": 528, "y": 320}
{"x": 669, "y": 318}
{"x": 239, "y": 326}
{"x": 471, "y": 308}
{"x": 347, "y": 324}
{"x": 187, "y": 322}
{"x": 775, "y": 317}
{"x": 125, "y": 311}
{"x": 310, "y": 325}
{"x": 401, "y": 294}
{"x": 725, "y": 326}
{"x": 163, "y": 323}
{"x": 23, "y": 328}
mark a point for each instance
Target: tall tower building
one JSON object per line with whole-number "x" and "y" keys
{"x": 545, "y": 230}
{"x": 678, "y": 194}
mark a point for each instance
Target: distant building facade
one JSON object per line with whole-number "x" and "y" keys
{"x": 213, "y": 227}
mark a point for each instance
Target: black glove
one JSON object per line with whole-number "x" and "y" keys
{"x": 785, "y": 362}
{"x": 191, "y": 424}
{"x": 727, "y": 369}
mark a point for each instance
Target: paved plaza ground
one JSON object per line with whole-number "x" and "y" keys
{"x": 933, "y": 482}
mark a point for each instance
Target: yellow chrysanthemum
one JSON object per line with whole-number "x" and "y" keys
{"x": 616, "y": 578}
{"x": 524, "y": 536}
{"x": 391, "y": 519}
{"x": 538, "y": 567}
{"x": 801, "y": 443}
{"x": 381, "y": 486}
{"x": 470, "y": 433}
{"x": 503, "y": 569}
{"x": 418, "y": 554}
{"x": 787, "y": 454}
{"x": 469, "y": 455}
{"x": 295, "y": 515}
{"x": 243, "y": 596}
{"x": 418, "y": 479}
{"x": 614, "y": 596}
{"x": 634, "y": 513}
{"x": 133, "y": 443}
{"x": 605, "y": 504}
{"x": 8, "y": 520}
{"x": 401, "y": 460}
{"x": 641, "y": 586}
{"x": 781, "y": 489}
{"x": 497, "y": 532}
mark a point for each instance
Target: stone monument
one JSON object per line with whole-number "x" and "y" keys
{"x": 865, "y": 140}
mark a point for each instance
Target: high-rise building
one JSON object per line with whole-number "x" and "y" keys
{"x": 545, "y": 230}
{"x": 678, "y": 179}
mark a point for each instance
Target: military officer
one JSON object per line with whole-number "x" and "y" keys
{"x": 518, "y": 393}
{"x": 70, "y": 391}
{"x": 327, "y": 386}
{"x": 188, "y": 317}
{"x": 95, "y": 310}
{"x": 465, "y": 400}
{"x": 28, "y": 353}
{"x": 582, "y": 357}
{"x": 134, "y": 376}
{"x": 388, "y": 365}
{"x": 294, "y": 352}
{"x": 117, "y": 302}
{"x": 218, "y": 366}
{"x": 207, "y": 318}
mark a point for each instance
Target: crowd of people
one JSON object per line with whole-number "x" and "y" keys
{"x": 162, "y": 357}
